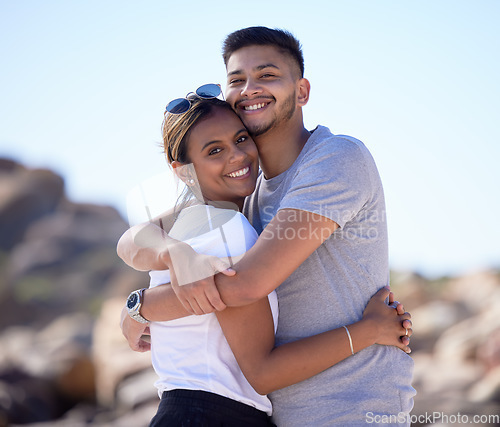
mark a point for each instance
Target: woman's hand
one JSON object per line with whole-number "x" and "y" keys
{"x": 388, "y": 325}
{"x": 134, "y": 331}
{"x": 407, "y": 324}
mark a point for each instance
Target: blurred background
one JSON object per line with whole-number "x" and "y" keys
{"x": 83, "y": 86}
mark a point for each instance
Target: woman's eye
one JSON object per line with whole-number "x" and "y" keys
{"x": 241, "y": 139}
{"x": 214, "y": 151}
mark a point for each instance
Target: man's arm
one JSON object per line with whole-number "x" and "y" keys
{"x": 289, "y": 239}
{"x": 284, "y": 244}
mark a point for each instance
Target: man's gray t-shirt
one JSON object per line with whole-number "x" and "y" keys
{"x": 335, "y": 177}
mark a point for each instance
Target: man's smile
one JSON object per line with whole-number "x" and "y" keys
{"x": 253, "y": 105}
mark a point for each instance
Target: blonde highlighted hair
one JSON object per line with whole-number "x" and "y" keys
{"x": 177, "y": 127}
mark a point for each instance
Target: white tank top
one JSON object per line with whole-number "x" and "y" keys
{"x": 192, "y": 352}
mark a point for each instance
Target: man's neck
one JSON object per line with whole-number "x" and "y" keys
{"x": 280, "y": 147}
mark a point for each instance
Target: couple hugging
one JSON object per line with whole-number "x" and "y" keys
{"x": 268, "y": 302}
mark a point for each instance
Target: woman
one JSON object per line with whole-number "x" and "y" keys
{"x": 215, "y": 369}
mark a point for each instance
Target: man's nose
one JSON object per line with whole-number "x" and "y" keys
{"x": 251, "y": 88}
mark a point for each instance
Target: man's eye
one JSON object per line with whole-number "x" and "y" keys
{"x": 214, "y": 151}
{"x": 235, "y": 81}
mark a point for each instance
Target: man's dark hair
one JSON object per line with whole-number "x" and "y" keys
{"x": 263, "y": 36}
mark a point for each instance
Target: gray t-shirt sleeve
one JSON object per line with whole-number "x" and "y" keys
{"x": 332, "y": 181}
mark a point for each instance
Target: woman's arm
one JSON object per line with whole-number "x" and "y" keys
{"x": 141, "y": 245}
{"x": 250, "y": 333}
{"x": 147, "y": 247}
{"x": 144, "y": 247}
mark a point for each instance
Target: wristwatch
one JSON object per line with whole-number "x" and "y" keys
{"x": 134, "y": 304}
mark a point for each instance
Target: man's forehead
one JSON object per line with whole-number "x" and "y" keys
{"x": 256, "y": 68}
{"x": 257, "y": 58}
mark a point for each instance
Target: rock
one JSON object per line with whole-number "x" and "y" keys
{"x": 138, "y": 390}
{"x": 58, "y": 268}
{"x": 25, "y": 196}
{"x": 139, "y": 417}
{"x": 44, "y": 373}
{"x": 59, "y": 354}
{"x": 462, "y": 341}
{"x": 487, "y": 389}
{"x": 113, "y": 359}
{"x": 15, "y": 341}
{"x": 475, "y": 291}
{"x": 443, "y": 377}
{"x": 77, "y": 381}
{"x": 411, "y": 289}
{"x": 57, "y": 239}
{"x": 8, "y": 165}
{"x": 442, "y": 387}
{"x": 488, "y": 352}
{"x": 430, "y": 320}
{"x": 28, "y": 399}
{"x": 124, "y": 281}
{"x": 64, "y": 362}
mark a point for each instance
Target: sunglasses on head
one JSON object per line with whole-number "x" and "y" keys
{"x": 181, "y": 105}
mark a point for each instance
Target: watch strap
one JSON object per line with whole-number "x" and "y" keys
{"x": 134, "y": 312}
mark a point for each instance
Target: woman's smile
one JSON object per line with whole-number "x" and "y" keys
{"x": 242, "y": 173}
{"x": 224, "y": 156}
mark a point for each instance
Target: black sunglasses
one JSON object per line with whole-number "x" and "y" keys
{"x": 181, "y": 105}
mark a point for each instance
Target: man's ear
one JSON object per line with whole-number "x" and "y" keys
{"x": 303, "y": 89}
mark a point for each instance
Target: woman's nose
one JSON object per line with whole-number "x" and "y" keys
{"x": 237, "y": 155}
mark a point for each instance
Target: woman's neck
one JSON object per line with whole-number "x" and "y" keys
{"x": 221, "y": 204}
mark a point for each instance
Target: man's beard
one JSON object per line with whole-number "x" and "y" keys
{"x": 284, "y": 115}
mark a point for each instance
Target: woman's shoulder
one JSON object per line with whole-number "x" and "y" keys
{"x": 207, "y": 213}
{"x": 197, "y": 220}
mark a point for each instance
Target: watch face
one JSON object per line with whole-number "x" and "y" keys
{"x": 132, "y": 301}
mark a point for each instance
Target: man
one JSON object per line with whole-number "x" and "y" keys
{"x": 319, "y": 209}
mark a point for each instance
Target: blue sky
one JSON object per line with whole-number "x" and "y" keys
{"x": 84, "y": 85}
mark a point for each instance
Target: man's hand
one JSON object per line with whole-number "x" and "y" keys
{"x": 133, "y": 332}
{"x": 192, "y": 278}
